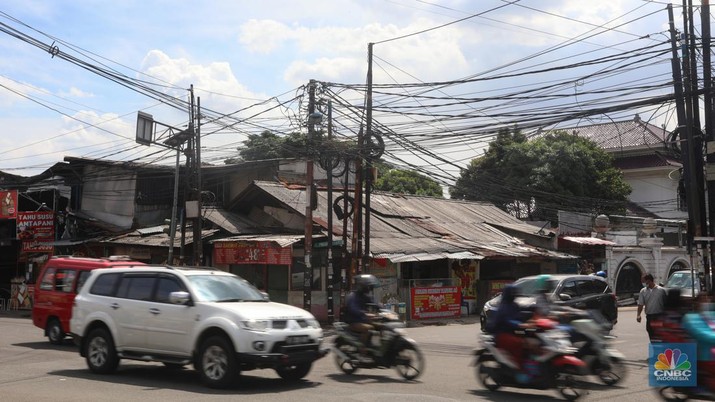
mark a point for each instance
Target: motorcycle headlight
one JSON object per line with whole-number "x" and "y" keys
{"x": 256, "y": 325}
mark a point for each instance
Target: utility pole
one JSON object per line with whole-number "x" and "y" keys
{"x": 331, "y": 273}
{"x": 308, "y": 243}
{"x": 197, "y": 238}
{"x": 368, "y": 157}
{"x": 709, "y": 134}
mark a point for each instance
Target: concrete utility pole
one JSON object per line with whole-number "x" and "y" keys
{"x": 331, "y": 272}
{"x": 197, "y": 229}
{"x": 709, "y": 134}
{"x": 309, "y": 178}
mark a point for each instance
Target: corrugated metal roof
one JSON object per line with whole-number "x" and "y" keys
{"x": 424, "y": 227}
{"x": 155, "y": 239}
{"x": 594, "y": 241}
{"x": 281, "y": 240}
{"x": 229, "y": 221}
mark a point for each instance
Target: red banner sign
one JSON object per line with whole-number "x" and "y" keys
{"x": 436, "y": 302}
{"x": 36, "y": 230}
{"x": 243, "y": 252}
{"x": 8, "y": 204}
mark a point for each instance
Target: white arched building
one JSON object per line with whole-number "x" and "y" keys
{"x": 627, "y": 247}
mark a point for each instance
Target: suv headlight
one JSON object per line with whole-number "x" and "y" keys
{"x": 256, "y": 325}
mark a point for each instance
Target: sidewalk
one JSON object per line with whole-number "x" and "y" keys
{"x": 16, "y": 313}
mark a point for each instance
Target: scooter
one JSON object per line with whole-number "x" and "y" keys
{"x": 553, "y": 368}
{"x": 593, "y": 346}
{"x": 676, "y": 394}
{"x": 389, "y": 347}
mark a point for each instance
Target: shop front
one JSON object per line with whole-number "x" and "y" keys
{"x": 264, "y": 261}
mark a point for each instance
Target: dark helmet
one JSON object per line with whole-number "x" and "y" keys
{"x": 365, "y": 283}
{"x": 509, "y": 293}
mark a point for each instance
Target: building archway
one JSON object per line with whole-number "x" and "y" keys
{"x": 628, "y": 279}
{"x": 677, "y": 265}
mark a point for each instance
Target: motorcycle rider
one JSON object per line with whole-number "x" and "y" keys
{"x": 357, "y": 313}
{"x": 507, "y": 319}
{"x": 699, "y": 326}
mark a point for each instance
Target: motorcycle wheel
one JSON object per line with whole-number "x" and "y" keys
{"x": 485, "y": 375}
{"x": 672, "y": 394}
{"x": 409, "y": 362}
{"x": 569, "y": 390}
{"x": 613, "y": 373}
{"x": 345, "y": 365}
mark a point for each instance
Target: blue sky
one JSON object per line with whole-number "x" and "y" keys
{"x": 239, "y": 53}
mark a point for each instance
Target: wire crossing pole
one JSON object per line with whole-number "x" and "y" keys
{"x": 308, "y": 243}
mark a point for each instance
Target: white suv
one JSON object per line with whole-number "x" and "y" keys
{"x": 178, "y": 316}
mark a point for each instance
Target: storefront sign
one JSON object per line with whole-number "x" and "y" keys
{"x": 436, "y": 302}
{"x": 8, "y": 204}
{"x": 36, "y": 230}
{"x": 243, "y": 252}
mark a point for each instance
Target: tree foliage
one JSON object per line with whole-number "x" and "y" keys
{"x": 534, "y": 179}
{"x": 268, "y": 145}
{"x": 406, "y": 182}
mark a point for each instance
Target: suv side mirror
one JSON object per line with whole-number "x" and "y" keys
{"x": 564, "y": 296}
{"x": 182, "y": 298}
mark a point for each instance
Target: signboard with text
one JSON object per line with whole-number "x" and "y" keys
{"x": 36, "y": 230}
{"x": 436, "y": 302}
{"x": 243, "y": 252}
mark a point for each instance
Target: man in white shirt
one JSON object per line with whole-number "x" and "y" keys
{"x": 652, "y": 298}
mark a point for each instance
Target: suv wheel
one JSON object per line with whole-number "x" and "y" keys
{"x": 54, "y": 332}
{"x": 101, "y": 355}
{"x": 217, "y": 362}
{"x": 295, "y": 372}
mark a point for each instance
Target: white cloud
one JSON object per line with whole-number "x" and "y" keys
{"x": 75, "y": 93}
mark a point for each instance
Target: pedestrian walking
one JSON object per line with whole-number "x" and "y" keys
{"x": 651, "y": 298}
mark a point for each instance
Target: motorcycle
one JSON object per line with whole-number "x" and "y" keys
{"x": 554, "y": 367}
{"x": 389, "y": 347}
{"x": 677, "y": 394}
{"x": 593, "y": 345}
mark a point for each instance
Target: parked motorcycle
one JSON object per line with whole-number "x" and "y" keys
{"x": 553, "y": 368}
{"x": 389, "y": 348}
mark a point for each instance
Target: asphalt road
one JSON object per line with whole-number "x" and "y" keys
{"x": 31, "y": 369}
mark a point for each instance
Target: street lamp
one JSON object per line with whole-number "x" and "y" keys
{"x": 145, "y": 136}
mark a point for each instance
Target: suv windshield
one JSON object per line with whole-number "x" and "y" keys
{"x": 224, "y": 288}
{"x": 527, "y": 287}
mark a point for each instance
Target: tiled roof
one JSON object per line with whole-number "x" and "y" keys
{"x": 645, "y": 161}
{"x": 629, "y": 134}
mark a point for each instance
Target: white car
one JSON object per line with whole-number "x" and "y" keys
{"x": 212, "y": 319}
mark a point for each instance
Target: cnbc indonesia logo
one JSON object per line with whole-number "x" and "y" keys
{"x": 672, "y": 366}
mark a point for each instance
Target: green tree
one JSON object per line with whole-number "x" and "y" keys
{"x": 268, "y": 145}
{"x": 406, "y": 182}
{"x": 534, "y": 179}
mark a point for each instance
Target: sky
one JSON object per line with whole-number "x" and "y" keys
{"x": 447, "y": 74}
